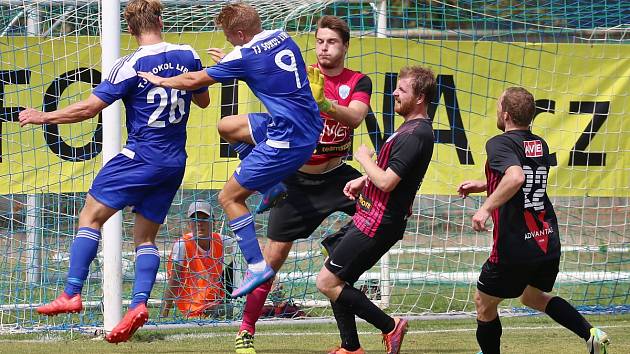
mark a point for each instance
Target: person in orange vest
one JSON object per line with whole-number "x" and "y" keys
{"x": 195, "y": 267}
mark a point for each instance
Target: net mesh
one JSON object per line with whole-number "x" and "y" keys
{"x": 573, "y": 55}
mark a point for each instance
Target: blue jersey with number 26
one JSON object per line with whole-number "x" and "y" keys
{"x": 156, "y": 116}
{"x": 272, "y": 66}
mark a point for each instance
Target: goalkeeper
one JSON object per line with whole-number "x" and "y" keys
{"x": 316, "y": 190}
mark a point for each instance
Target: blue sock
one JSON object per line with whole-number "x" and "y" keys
{"x": 147, "y": 264}
{"x": 242, "y": 148}
{"x": 243, "y": 228}
{"x": 82, "y": 253}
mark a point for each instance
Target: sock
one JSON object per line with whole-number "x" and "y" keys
{"x": 243, "y": 228}
{"x": 147, "y": 264}
{"x": 489, "y": 336}
{"x": 82, "y": 253}
{"x": 566, "y": 315}
{"x": 243, "y": 149}
{"x": 347, "y": 327}
{"x": 253, "y": 306}
{"x": 358, "y": 303}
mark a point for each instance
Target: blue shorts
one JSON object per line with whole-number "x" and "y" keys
{"x": 267, "y": 166}
{"x": 150, "y": 189}
{"x": 258, "y": 123}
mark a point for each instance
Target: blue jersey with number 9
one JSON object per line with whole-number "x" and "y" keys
{"x": 156, "y": 116}
{"x": 272, "y": 66}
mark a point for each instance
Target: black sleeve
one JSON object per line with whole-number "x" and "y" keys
{"x": 501, "y": 154}
{"x": 364, "y": 85}
{"x": 407, "y": 153}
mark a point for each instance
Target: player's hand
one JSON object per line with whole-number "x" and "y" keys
{"x": 317, "y": 82}
{"x": 468, "y": 187}
{"x": 150, "y": 77}
{"x": 479, "y": 220}
{"x": 32, "y": 116}
{"x": 363, "y": 152}
{"x": 216, "y": 54}
{"x": 353, "y": 187}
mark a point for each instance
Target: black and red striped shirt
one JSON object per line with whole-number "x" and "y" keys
{"x": 525, "y": 227}
{"x": 408, "y": 153}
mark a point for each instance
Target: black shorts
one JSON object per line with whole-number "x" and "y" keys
{"x": 509, "y": 281}
{"x": 311, "y": 198}
{"x": 351, "y": 252}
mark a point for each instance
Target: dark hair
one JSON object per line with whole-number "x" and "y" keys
{"x": 423, "y": 81}
{"x": 239, "y": 17}
{"x": 336, "y": 24}
{"x": 143, "y": 16}
{"x": 519, "y": 104}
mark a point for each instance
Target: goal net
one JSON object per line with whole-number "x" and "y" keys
{"x": 574, "y": 59}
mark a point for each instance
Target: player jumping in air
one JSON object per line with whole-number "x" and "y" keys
{"x": 272, "y": 66}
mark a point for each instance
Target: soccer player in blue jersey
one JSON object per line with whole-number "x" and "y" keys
{"x": 272, "y": 66}
{"x": 147, "y": 172}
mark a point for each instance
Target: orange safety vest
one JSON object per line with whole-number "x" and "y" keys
{"x": 200, "y": 279}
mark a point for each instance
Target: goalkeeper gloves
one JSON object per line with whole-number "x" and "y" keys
{"x": 316, "y": 79}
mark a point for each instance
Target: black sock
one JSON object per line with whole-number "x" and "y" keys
{"x": 358, "y": 303}
{"x": 489, "y": 336}
{"x": 347, "y": 326}
{"x": 566, "y": 315}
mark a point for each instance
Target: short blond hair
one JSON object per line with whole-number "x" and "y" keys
{"x": 239, "y": 17}
{"x": 143, "y": 16}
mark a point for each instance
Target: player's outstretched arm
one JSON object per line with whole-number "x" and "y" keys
{"x": 75, "y": 112}
{"x": 511, "y": 182}
{"x": 384, "y": 180}
{"x": 188, "y": 81}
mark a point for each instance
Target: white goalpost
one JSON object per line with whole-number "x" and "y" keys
{"x": 112, "y": 230}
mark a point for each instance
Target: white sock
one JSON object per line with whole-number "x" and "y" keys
{"x": 257, "y": 267}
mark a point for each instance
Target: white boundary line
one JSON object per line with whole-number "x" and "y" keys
{"x": 179, "y": 337}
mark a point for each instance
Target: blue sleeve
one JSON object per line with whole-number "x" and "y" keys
{"x": 229, "y": 68}
{"x": 109, "y": 92}
{"x": 199, "y": 67}
{"x": 120, "y": 81}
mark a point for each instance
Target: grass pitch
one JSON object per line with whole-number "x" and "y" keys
{"x": 532, "y": 334}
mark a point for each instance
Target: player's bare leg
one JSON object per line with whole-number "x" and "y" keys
{"x": 232, "y": 198}
{"x": 235, "y": 129}
{"x": 82, "y": 253}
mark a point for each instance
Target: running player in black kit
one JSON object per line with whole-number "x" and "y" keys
{"x": 526, "y": 249}
{"x": 384, "y": 199}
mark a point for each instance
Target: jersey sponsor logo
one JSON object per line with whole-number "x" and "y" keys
{"x": 539, "y": 229}
{"x": 365, "y": 203}
{"x": 334, "y": 132}
{"x": 533, "y": 148}
{"x": 344, "y": 91}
